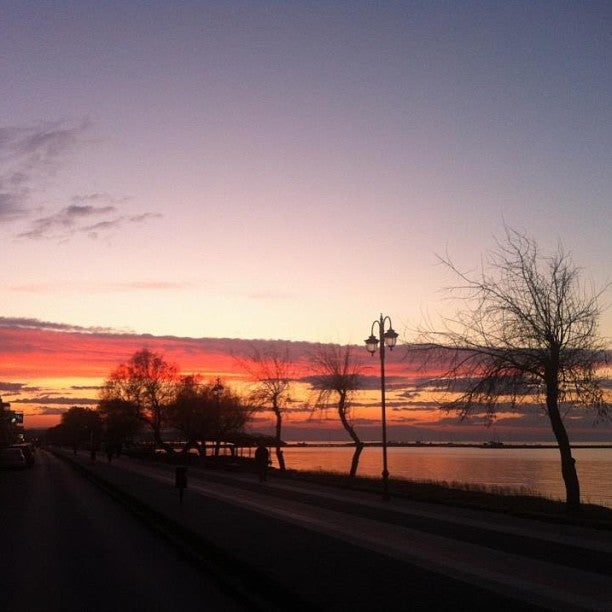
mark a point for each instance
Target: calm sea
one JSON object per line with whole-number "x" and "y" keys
{"x": 535, "y": 469}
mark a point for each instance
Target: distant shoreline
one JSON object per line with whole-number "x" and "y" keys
{"x": 485, "y": 445}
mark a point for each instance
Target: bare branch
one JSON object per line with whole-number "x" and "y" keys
{"x": 528, "y": 327}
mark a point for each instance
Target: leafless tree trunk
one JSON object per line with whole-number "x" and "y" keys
{"x": 337, "y": 376}
{"x": 528, "y": 327}
{"x": 351, "y": 432}
{"x": 280, "y": 457}
{"x": 271, "y": 372}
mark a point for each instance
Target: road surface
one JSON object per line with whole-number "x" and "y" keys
{"x": 285, "y": 545}
{"x": 66, "y": 545}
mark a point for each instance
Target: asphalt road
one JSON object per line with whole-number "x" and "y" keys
{"x": 279, "y": 545}
{"x": 343, "y": 550}
{"x": 66, "y": 545}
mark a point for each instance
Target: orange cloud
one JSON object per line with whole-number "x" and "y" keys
{"x": 45, "y": 368}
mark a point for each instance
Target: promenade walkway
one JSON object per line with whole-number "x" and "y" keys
{"x": 323, "y": 548}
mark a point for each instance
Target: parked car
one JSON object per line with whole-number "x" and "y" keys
{"x": 12, "y": 459}
{"x": 28, "y": 452}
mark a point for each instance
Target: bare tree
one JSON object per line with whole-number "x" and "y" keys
{"x": 529, "y": 326}
{"x": 337, "y": 377}
{"x": 147, "y": 382}
{"x": 271, "y": 371}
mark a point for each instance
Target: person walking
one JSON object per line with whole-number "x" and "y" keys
{"x": 262, "y": 460}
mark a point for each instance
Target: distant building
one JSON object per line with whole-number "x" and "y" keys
{"x": 11, "y": 424}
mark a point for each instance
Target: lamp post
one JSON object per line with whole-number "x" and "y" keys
{"x": 386, "y": 340}
{"x": 218, "y": 392}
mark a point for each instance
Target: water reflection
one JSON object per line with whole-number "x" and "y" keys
{"x": 535, "y": 469}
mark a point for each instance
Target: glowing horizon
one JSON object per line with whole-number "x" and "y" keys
{"x": 44, "y": 372}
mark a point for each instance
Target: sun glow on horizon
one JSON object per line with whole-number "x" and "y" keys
{"x": 43, "y": 373}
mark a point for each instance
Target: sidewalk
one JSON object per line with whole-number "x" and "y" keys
{"x": 503, "y": 555}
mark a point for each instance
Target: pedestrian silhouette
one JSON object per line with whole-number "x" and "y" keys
{"x": 180, "y": 480}
{"x": 262, "y": 459}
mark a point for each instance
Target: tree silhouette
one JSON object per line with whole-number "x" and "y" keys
{"x": 528, "y": 326}
{"x": 201, "y": 414}
{"x": 191, "y": 412}
{"x": 80, "y": 426}
{"x": 271, "y": 371}
{"x": 337, "y": 376}
{"x": 120, "y": 420}
{"x": 232, "y": 413}
{"x": 148, "y": 383}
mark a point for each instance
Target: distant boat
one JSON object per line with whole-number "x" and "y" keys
{"x": 493, "y": 444}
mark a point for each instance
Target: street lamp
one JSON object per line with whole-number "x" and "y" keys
{"x": 218, "y": 392}
{"x": 386, "y": 340}
{"x": 218, "y": 389}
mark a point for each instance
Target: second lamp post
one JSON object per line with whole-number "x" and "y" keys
{"x": 387, "y": 340}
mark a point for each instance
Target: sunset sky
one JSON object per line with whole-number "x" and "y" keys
{"x": 283, "y": 170}
{"x": 51, "y": 370}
